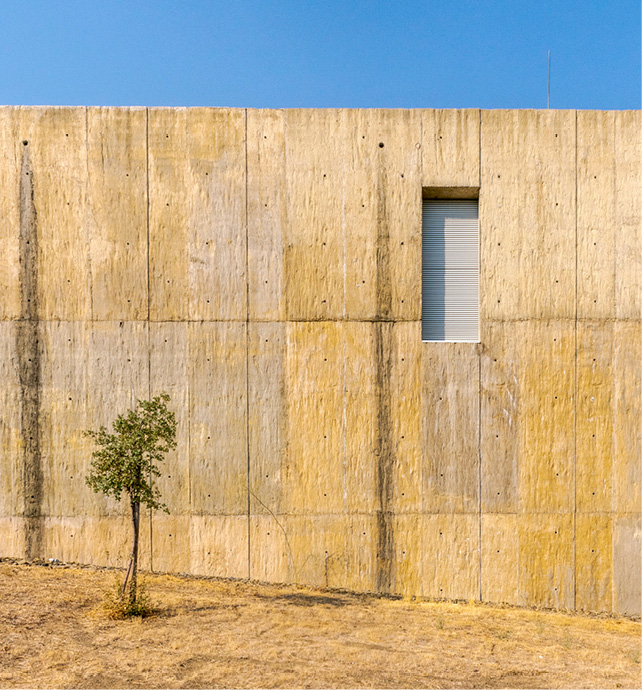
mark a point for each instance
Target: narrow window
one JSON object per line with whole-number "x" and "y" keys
{"x": 450, "y": 271}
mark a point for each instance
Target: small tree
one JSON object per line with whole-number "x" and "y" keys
{"x": 125, "y": 462}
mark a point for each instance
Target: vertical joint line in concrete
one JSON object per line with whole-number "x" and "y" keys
{"x": 344, "y": 354}
{"x": 421, "y": 416}
{"x": 479, "y": 467}
{"x": 247, "y": 351}
{"x": 149, "y": 349}
{"x": 479, "y": 376}
{"x": 575, "y": 391}
{"x": 147, "y": 210}
{"x": 615, "y": 234}
{"x": 612, "y": 353}
{"x": 344, "y": 403}
{"x": 88, "y": 202}
{"x": 479, "y": 137}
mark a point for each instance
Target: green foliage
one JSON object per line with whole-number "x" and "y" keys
{"x": 125, "y": 461}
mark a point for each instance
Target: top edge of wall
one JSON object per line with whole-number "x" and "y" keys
{"x": 339, "y": 108}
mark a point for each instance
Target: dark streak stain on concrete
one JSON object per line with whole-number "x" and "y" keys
{"x": 383, "y": 345}
{"x": 28, "y": 357}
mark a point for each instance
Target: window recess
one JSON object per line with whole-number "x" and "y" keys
{"x": 450, "y": 270}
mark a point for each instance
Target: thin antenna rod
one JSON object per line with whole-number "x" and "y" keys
{"x": 548, "y": 105}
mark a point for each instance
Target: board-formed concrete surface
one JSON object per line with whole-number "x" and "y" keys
{"x": 264, "y": 268}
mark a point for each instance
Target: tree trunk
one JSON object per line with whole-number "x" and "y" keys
{"x": 134, "y": 557}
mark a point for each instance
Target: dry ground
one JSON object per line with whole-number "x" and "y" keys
{"x": 210, "y": 633}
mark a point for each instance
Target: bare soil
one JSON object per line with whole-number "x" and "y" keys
{"x": 220, "y": 633}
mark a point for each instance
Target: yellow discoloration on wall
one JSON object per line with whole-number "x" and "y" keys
{"x": 450, "y": 556}
{"x": 268, "y": 421}
{"x": 627, "y": 545}
{"x": 546, "y": 447}
{"x": 406, "y": 410}
{"x": 500, "y": 409}
{"x": 313, "y": 481}
{"x": 627, "y": 412}
{"x": 10, "y": 433}
{"x": 314, "y": 147}
{"x": 407, "y": 569}
{"x": 594, "y": 561}
{"x": 283, "y": 317}
{"x": 267, "y": 213}
{"x": 360, "y": 423}
{"x": 546, "y": 570}
{"x": 361, "y": 547}
{"x": 594, "y": 485}
{"x": 12, "y": 536}
{"x": 500, "y": 557}
{"x": 450, "y": 378}
{"x": 382, "y": 186}
{"x": 318, "y": 549}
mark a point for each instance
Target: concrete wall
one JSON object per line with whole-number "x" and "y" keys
{"x": 264, "y": 268}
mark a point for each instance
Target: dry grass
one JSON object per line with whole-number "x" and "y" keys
{"x": 209, "y": 633}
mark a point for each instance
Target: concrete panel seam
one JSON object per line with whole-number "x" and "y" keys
{"x": 149, "y": 350}
{"x": 247, "y": 353}
{"x": 575, "y": 391}
{"x": 534, "y": 319}
{"x": 89, "y": 268}
{"x": 479, "y": 376}
{"x": 479, "y": 468}
{"x": 344, "y": 419}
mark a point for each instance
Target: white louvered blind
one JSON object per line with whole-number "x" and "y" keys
{"x": 450, "y": 271}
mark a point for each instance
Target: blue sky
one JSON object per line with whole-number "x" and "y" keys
{"x": 296, "y": 53}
